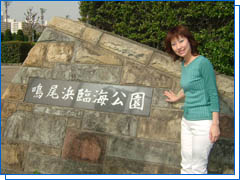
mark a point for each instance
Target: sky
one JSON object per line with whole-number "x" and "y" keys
{"x": 17, "y": 9}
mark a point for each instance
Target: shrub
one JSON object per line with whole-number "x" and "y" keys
{"x": 15, "y": 51}
{"x": 2, "y": 37}
{"x": 8, "y": 35}
{"x": 20, "y": 35}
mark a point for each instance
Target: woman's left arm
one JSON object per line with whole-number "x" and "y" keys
{"x": 209, "y": 77}
{"x": 214, "y": 130}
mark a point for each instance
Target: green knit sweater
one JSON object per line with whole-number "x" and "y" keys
{"x": 199, "y": 84}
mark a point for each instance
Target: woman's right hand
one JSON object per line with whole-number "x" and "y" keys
{"x": 171, "y": 96}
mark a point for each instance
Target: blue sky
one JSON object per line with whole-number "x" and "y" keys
{"x": 17, "y": 9}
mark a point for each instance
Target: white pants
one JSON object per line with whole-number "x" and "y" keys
{"x": 195, "y": 146}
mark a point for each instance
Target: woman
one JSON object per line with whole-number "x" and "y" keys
{"x": 200, "y": 121}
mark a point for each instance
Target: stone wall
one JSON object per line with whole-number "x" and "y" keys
{"x": 61, "y": 140}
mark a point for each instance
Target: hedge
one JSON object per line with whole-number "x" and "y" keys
{"x": 15, "y": 51}
{"x": 212, "y": 23}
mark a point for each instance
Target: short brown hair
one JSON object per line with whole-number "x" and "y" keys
{"x": 177, "y": 31}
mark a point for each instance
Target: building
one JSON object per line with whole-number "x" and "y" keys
{"x": 14, "y": 25}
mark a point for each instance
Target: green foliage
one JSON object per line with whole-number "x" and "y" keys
{"x": 25, "y": 37}
{"x": 20, "y": 35}
{"x": 8, "y": 35}
{"x": 2, "y": 37}
{"x": 36, "y": 35}
{"x": 14, "y": 36}
{"x": 14, "y": 51}
{"x": 36, "y": 172}
{"x": 212, "y": 23}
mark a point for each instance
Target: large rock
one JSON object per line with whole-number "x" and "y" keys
{"x": 66, "y": 140}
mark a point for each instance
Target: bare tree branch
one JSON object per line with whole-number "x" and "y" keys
{"x": 31, "y": 19}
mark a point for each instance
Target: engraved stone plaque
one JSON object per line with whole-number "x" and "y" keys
{"x": 93, "y": 96}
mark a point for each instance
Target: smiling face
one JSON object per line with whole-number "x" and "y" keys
{"x": 181, "y": 46}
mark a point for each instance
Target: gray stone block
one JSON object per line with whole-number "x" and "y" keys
{"x": 58, "y": 111}
{"x": 50, "y": 34}
{"x": 221, "y": 158}
{"x": 40, "y": 129}
{"x": 94, "y": 73}
{"x": 61, "y": 72}
{"x": 125, "y": 48}
{"x": 134, "y": 73}
{"x": 159, "y": 98}
{"x": 116, "y": 124}
{"x": 163, "y": 125}
{"x": 114, "y": 165}
{"x": 87, "y": 53}
{"x": 22, "y": 76}
{"x": 53, "y": 165}
{"x": 141, "y": 150}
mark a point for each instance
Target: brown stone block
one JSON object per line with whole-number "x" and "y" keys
{"x": 176, "y": 85}
{"x": 8, "y": 109}
{"x": 2, "y": 102}
{"x": 15, "y": 92}
{"x": 84, "y": 147}
{"x": 134, "y": 73}
{"x": 12, "y": 155}
{"x": 36, "y": 55}
{"x": 25, "y": 107}
{"x": 3, "y": 124}
{"x": 226, "y": 126}
{"x": 225, "y": 84}
{"x": 58, "y": 52}
{"x": 91, "y": 35}
{"x": 68, "y": 26}
{"x": 164, "y": 62}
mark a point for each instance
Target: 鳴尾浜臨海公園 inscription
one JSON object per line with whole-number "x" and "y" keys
{"x": 101, "y": 97}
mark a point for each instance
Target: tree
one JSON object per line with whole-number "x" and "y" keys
{"x": 212, "y": 23}
{"x": 25, "y": 37}
{"x": 8, "y": 35}
{"x": 20, "y": 35}
{"x": 35, "y": 35}
{"x": 14, "y": 36}
{"x": 32, "y": 22}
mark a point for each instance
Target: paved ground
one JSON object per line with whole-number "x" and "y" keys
{"x": 7, "y": 74}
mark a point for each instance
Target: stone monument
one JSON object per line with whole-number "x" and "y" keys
{"x": 86, "y": 101}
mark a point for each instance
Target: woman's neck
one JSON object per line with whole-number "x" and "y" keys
{"x": 189, "y": 58}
